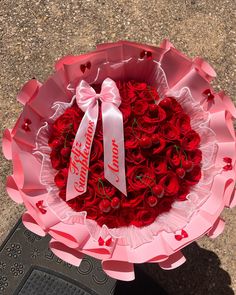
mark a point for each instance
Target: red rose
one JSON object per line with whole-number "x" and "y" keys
{"x": 164, "y": 205}
{"x": 96, "y": 171}
{"x": 170, "y": 184}
{"x": 126, "y": 111}
{"x": 192, "y": 177}
{"x": 171, "y": 106}
{"x": 69, "y": 121}
{"x": 65, "y": 140}
{"x": 78, "y": 203}
{"x": 56, "y": 142}
{"x": 74, "y": 111}
{"x": 191, "y": 140}
{"x": 103, "y": 188}
{"x": 144, "y": 217}
{"x": 134, "y": 156}
{"x": 130, "y": 90}
{"x": 155, "y": 115}
{"x": 133, "y": 89}
{"x": 127, "y": 96}
{"x": 133, "y": 200}
{"x": 124, "y": 216}
{"x": 96, "y": 151}
{"x": 84, "y": 202}
{"x": 169, "y": 131}
{"x": 183, "y": 123}
{"x": 139, "y": 177}
{"x": 176, "y": 107}
{"x": 89, "y": 197}
{"x": 57, "y": 160}
{"x": 158, "y": 144}
{"x": 174, "y": 156}
{"x": 159, "y": 165}
{"x": 149, "y": 95}
{"x": 136, "y": 85}
{"x": 195, "y": 156}
{"x": 131, "y": 138}
{"x": 75, "y": 204}
{"x": 147, "y": 127}
{"x": 61, "y": 178}
{"x": 183, "y": 191}
{"x": 99, "y": 131}
{"x": 108, "y": 220}
{"x": 140, "y": 107}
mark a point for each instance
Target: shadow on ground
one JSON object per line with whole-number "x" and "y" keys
{"x": 201, "y": 274}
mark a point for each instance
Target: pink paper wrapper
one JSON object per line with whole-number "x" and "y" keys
{"x": 32, "y": 181}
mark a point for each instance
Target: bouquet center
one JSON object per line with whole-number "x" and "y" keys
{"x": 162, "y": 158}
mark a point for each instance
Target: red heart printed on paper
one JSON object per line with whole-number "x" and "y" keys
{"x": 83, "y": 67}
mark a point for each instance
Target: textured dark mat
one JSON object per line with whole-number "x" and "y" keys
{"x": 39, "y": 283}
{"x": 28, "y": 267}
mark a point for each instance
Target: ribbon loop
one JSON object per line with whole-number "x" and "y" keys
{"x": 113, "y": 138}
{"x": 85, "y": 96}
{"x": 110, "y": 92}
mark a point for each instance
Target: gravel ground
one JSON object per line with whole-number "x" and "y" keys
{"x": 36, "y": 33}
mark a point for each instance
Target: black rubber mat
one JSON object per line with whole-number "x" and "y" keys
{"x": 28, "y": 267}
{"x": 40, "y": 282}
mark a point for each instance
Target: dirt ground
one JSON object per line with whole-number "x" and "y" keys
{"x": 33, "y": 34}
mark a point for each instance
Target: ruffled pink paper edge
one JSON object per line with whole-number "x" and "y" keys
{"x": 117, "y": 260}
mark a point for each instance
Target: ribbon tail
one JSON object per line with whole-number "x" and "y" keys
{"x": 113, "y": 142}
{"x": 80, "y": 154}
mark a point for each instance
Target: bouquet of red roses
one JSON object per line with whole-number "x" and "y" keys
{"x": 126, "y": 154}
